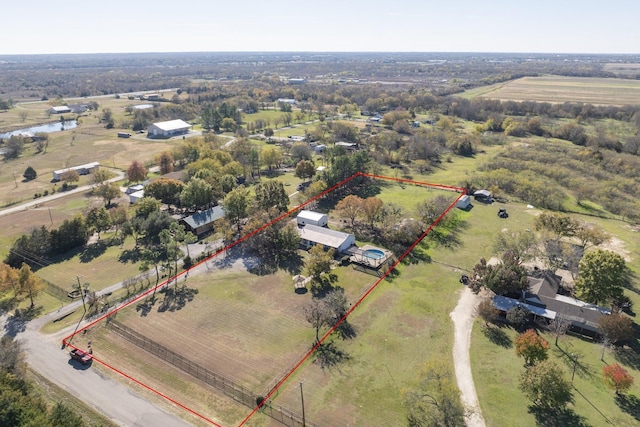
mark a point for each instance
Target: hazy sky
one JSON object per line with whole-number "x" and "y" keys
{"x": 549, "y": 26}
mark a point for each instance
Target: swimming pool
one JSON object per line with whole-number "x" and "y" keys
{"x": 374, "y": 253}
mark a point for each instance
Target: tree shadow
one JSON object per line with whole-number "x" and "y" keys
{"x": 320, "y": 287}
{"x": 562, "y": 417}
{"x": 176, "y": 299}
{"x": 130, "y": 255}
{"x": 345, "y": 330}
{"x": 93, "y": 251}
{"x": 18, "y": 322}
{"x": 628, "y": 355}
{"x": 572, "y": 361}
{"x": 497, "y": 336}
{"x": 292, "y": 264}
{"x": 629, "y": 404}
{"x": 327, "y": 355}
{"x": 144, "y": 308}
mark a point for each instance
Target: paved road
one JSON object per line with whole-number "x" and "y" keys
{"x": 115, "y": 400}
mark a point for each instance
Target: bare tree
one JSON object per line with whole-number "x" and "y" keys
{"x": 558, "y": 327}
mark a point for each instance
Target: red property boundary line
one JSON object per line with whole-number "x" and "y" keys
{"x": 67, "y": 340}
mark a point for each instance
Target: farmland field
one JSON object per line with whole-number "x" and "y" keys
{"x": 558, "y": 89}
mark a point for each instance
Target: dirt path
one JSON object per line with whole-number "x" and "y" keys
{"x": 462, "y": 317}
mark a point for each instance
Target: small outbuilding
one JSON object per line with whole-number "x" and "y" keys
{"x": 168, "y": 129}
{"x": 314, "y": 218}
{"x": 136, "y": 196}
{"x": 463, "y": 202}
{"x": 483, "y": 196}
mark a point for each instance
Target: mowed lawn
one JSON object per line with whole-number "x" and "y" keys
{"x": 600, "y": 91}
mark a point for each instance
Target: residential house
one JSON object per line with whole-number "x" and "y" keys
{"x": 203, "y": 222}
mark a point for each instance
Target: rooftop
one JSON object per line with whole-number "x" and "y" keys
{"x": 205, "y": 217}
{"x": 172, "y": 125}
{"x": 323, "y": 236}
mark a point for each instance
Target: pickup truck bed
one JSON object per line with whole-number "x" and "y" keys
{"x": 81, "y": 356}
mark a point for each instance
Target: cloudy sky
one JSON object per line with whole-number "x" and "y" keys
{"x": 548, "y": 26}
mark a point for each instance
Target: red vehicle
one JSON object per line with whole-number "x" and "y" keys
{"x": 81, "y": 356}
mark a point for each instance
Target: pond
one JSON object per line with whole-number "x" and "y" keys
{"x": 45, "y": 128}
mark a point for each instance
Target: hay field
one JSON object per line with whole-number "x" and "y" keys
{"x": 558, "y": 89}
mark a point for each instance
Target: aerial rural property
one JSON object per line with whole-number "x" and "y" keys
{"x": 271, "y": 223}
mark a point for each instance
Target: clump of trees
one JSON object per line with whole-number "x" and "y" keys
{"x": 42, "y": 243}
{"x": 21, "y": 405}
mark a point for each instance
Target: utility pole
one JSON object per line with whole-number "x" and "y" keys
{"x": 302, "y": 400}
{"x": 81, "y": 294}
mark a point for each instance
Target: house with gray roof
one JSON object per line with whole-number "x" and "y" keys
{"x": 543, "y": 299}
{"x": 203, "y": 222}
{"x": 311, "y": 235}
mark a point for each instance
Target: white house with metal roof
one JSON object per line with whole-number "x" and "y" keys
{"x": 311, "y": 235}
{"x": 168, "y": 129}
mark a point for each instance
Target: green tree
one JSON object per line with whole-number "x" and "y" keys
{"x": 546, "y": 386}
{"x": 532, "y": 347}
{"x": 167, "y": 190}
{"x": 13, "y": 147}
{"x": 268, "y": 132}
{"x": 29, "y": 173}
{"x": 108, "y": 191}
{"x": 136, "y": 172}
{"x": 118, "y": 216}
{"x": 319, "y": 261}
{"x": 98, "y": 220}
{"x": 317, "y": 315}
{"x": 271, "y": 194}
{"x": 507, "y": 277}
{"x": 305, "y": 169}
{"x": 197, "y": 194}
{"x": 28, "y": 283}
{"x": 617, "y": 378}
{"x": 557, "y": 224}
{"x": 271, "y": 157}
{"x": 435, "y": 401}
{"x": 71, "y": 234}
{"x": 146, "y": 206}
{"x": 236, "y": 205}
{"x": 601, "y": 276}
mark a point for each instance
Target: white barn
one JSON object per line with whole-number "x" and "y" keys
{"x": 314, "y": 218}
{"x": 311, "y": 235}
{"x": 60, "y": 109}
{"x": 168, "y": 129}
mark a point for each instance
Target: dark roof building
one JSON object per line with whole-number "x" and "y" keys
{"x": 542, "y": 299}
{"x": 202, "y": 222}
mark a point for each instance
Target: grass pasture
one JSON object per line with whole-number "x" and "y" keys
{"x": 559, "y": 89}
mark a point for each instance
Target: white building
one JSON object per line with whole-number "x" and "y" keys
{"x": 168, "y": 129}
{"x": 85, "y": 169}
{"x": 463, "y": 202}
{"x": 60, "y": 109}
{"x": 311, "y": 235}
{"x": 314, "y": 218}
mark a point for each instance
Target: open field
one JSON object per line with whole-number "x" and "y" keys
{"x": 623, "y": 69}
{"x": 252, "y": 328}
{"x": 557, "y": 89}
{"x": 496, "y": 371}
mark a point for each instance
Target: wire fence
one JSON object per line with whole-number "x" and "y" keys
{"x": 229, "y": 387}
{"x": 56, "y": 291}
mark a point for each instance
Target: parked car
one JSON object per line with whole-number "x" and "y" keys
{"x": 81, "y": 356}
